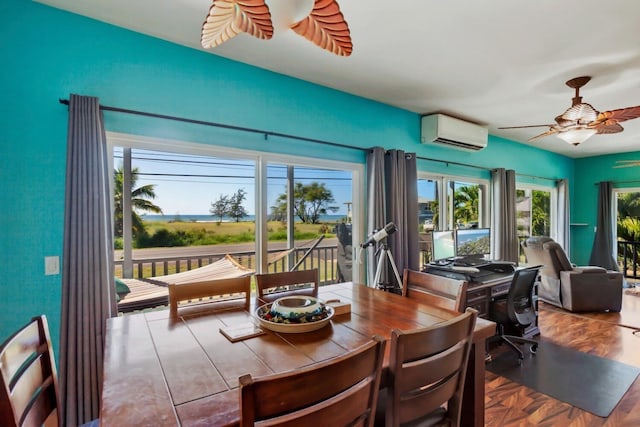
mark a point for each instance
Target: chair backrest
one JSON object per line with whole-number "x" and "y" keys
{"x": 544, "y": 251}
{"x": 209, "y": 288}
{"x": 342, "y": 391}
{"x": 435, "y": 290}
{"x": 29, "y": 393}
{"x": 521, "y": 307}
{"x": 427, "y": 369}
{"x": 273, "y": 285}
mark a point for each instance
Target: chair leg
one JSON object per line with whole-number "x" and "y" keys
{"x": 507, "y": 339}
{"x": 522, "y": 340}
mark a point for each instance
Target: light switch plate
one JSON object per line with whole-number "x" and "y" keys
{"x": 51, "y": 265}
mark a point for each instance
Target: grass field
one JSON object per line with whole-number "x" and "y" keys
{"x": 184, "y": 233}
{"x": 235, "y": 230}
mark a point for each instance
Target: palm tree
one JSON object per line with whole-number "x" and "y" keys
{"x": 139, "y": 202}
{"x": 465, "y": 200}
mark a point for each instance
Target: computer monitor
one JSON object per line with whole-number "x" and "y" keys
{"x": 473, "y": 242}
{"x": 443, "y": 245}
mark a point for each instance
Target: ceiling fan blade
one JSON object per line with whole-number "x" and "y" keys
{"x": 228, "y": 18}
{"x": 523, "y": 127}
{"x": 326, "y": 28}
{"x": 542, "y": 135}
{"x": 616, "y": 116}
{"x": 603, "y": 129}
{"x": 627, "y": 163}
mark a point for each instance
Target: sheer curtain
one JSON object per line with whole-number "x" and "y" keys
{"x": 602, "y": 250}
{"x": 564, "y": 217}
{"x": 503, "y": 218}
{"x": 392, "y": 196}
{"x": 87, "y": 276}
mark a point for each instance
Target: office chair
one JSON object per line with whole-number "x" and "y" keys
{"x": 517, "y": 310}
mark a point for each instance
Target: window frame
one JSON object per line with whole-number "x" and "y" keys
{"x": 261, "y": 160}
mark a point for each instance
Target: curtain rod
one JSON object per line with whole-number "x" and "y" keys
{"x": 538, "y": 177}
{"x": 266, "y": 133}
{"x": 221, "y": 125}
{"x": 631, "y": 181}
{"x": 453, "y": 163}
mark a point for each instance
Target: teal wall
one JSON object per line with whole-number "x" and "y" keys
{"x": 48, "y": 54}
{"x": 589, "y": 172}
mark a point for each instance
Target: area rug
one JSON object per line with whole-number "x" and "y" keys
{"x": 591, "y": 383}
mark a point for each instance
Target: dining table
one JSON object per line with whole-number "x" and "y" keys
{"x": 162, "y": 370}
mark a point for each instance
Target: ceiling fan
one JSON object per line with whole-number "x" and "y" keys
{"x": 581, "y": 121}
{"x": 324, "y": 25}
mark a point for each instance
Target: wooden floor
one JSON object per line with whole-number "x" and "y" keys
{"x": 509, "y": 404}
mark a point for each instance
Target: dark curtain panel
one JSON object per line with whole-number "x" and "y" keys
{"x": 87, "y": 277}
{"x": 376, "y": 207}
{"x": 503, "y": 221}
{"x": 401, "y": 178}
{"x": 602, "y": 251}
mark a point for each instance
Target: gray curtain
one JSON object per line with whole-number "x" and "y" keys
{"x": 376, "y": 203}
{"x": 564, "y": 217}
{"x": 87, "y": 275}
{"x": 401, "y": 179}
{"x": 602, "y": 251}
{"x": 503, "y": 218}
{"x": 392, "y": 196}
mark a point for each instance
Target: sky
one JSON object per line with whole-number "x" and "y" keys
{"x": 187, "y": 184}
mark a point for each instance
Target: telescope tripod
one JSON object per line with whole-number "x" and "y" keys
{"x": 384, "y": 254}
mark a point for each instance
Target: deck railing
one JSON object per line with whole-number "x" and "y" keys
{"x": 323, "y": 258}
{"x": 628, "y": 258}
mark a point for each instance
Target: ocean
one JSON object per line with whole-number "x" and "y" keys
{"x": 210, "y": 218}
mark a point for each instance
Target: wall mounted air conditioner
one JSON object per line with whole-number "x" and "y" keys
{"x": 454, "y": 133}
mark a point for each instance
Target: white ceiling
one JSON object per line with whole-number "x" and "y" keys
{"x": 493, "y": 62}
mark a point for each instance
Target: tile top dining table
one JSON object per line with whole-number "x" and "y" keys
{"x": 164, "y": 371}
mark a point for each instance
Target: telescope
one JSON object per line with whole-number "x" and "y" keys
{"x": 378, "y": 235}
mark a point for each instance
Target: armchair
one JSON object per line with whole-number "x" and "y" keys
{"x": 588, "y": 288}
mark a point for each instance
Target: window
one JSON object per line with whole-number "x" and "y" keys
{"x": 449, "y": 203}
{"x": 535, "y": 212}
{"x": 201, "y": 202}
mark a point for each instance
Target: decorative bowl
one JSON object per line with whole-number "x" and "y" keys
{"x": 294, "y": 306}
{"x": 294, "y": 314}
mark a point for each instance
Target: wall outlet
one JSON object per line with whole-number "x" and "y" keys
{"x": 51, "y": 265}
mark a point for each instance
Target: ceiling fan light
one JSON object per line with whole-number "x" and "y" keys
{"x": 583, "y": 113}
{"x": 576, "y": 136}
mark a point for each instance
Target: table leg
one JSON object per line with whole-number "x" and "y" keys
{"x": 473, "y": 396}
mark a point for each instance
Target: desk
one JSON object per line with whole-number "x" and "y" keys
{"x": 480, "y": 292}
{"x": 160, "y": 371}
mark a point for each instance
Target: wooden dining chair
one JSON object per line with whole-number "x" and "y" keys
{"x": 342, "y": 391}
{"x": 209, "y": 288}
{"x": 29, "y": 394}
{"x": 273, "y": 285}
{"x": 427, "y": 369}
{"x": 435, "y": 290}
